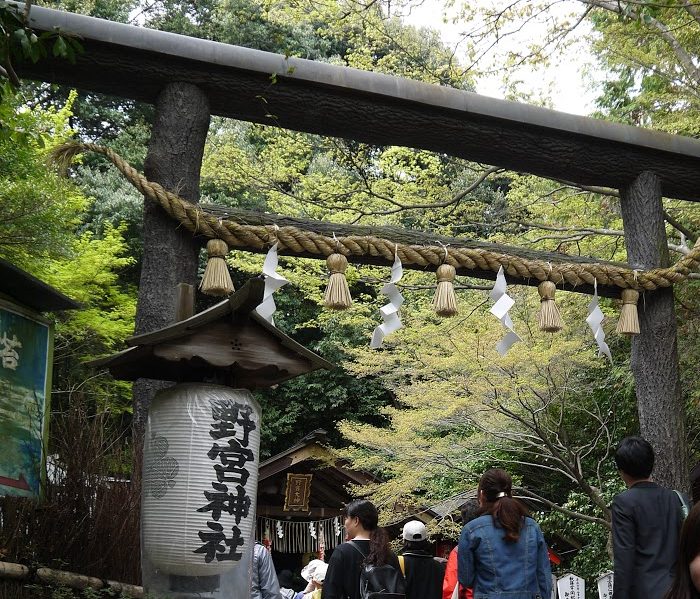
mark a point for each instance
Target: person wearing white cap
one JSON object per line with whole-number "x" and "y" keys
{"x": 422, "y": 571}
{"x": 314, "y": 573}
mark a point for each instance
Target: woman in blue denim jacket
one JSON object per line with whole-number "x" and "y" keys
{"x": 502, "y": 554}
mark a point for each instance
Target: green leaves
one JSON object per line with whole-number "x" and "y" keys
{"x": 41, "y": 220}
{"x": 18, "y": 42}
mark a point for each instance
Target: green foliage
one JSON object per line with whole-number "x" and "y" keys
{"x": 40, "y": 220}
{"x": 18, "y": 42}
{"x": 651, "y": 53}
{"x": 38, "y": 209}
{"x": 436, "y": 406}
{"x": 95, "y": 116}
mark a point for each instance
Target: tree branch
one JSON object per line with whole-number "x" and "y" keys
{"x": 684, "y": 58}
{"x": 556, "y": 507}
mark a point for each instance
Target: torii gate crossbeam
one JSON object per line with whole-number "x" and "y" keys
{"x": 136, "y": 62}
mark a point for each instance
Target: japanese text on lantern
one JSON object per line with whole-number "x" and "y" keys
{"x": 8, "y": 351}
{"x": 231, "y": 427}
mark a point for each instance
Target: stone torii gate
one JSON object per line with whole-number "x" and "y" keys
{"x": 189, "y": 79}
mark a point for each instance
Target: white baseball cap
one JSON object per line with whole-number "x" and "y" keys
{"x": 414, "y": 531}
{"x": 308, "y": 571}
{"x": 319, "y": 574}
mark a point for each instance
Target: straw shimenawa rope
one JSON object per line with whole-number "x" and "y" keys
{"x": 296, "y": 240}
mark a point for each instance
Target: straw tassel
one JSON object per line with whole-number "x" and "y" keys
{"x": 216, "y": 279}
{"x": 337, "y": 293}
{"x": 445, "y": 300}
{"x": 548, "y": 317}
{"x": 629, "y": 319}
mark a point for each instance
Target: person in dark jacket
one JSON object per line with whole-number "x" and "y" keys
{"x": 423, "y": 573}
{"x": 369, "y": 544}
{"x": 646, "y": 523}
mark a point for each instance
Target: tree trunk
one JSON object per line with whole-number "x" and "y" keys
{"x": 654, "y": 350}
{"x": 170, "y": 253}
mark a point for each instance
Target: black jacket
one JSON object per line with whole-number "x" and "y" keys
{"x": 424, "y": 575}
{"x": 646, "y": 522}
{"x": 343, "y": 576}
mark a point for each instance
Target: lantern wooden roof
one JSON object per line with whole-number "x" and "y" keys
{"x": 229, "y": 343}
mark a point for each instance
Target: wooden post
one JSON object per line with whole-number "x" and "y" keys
{"x": 170, "y": 254}
{"x": 654, "y": 350}
{"x": 184, "y": 307}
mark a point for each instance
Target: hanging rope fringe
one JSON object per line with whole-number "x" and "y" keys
{"x": 548, "y": 317}
{"x": 295, "y": 240}
{"x": 217, "y": 279}
{"x": 295, "y": 536}
{"x": 629, "y": 319}
{"x": 337, "y": 293}
{"x": 445, "y": 300}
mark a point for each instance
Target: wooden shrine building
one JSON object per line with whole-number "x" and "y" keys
{"x": 301, "y": 495}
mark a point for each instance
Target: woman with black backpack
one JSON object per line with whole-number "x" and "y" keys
{"x": 363, "y": 567}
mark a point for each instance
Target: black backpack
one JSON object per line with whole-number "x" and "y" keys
{"x": 380, "y": 582}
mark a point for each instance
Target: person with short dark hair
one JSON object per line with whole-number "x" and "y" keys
{"x": 286, "y": 582}
{"x": 635, "y": 457}
{"x": 646, "y": 522}
{"x": 422, "y": 571}
{"x": 502, "y": 554}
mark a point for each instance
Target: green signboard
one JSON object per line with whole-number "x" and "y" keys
{"x": 25, "y": 390}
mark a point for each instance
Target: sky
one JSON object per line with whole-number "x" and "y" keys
{"x": 569, "y": 85}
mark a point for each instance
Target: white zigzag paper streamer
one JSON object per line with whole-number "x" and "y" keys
{"x": 273, "y": 282}
{"x": 336, "y": 527}
{"x": 312, "y": 530}
{"x": 503, "y": 303}
{"x": 594, "y": 320}
{"x": 390, "y": 311}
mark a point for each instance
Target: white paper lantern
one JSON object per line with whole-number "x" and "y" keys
{"x": 200, "y": 479}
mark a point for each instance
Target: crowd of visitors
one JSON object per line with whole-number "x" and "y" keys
{"x": 502, "y": 553}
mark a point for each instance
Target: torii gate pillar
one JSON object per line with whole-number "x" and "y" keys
{"x": 654, "y": 350}
{"x": 170, "y": 254}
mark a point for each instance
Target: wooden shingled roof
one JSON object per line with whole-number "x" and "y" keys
{"x": 229, "y": 342}
{"x": 29, "y": 291}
